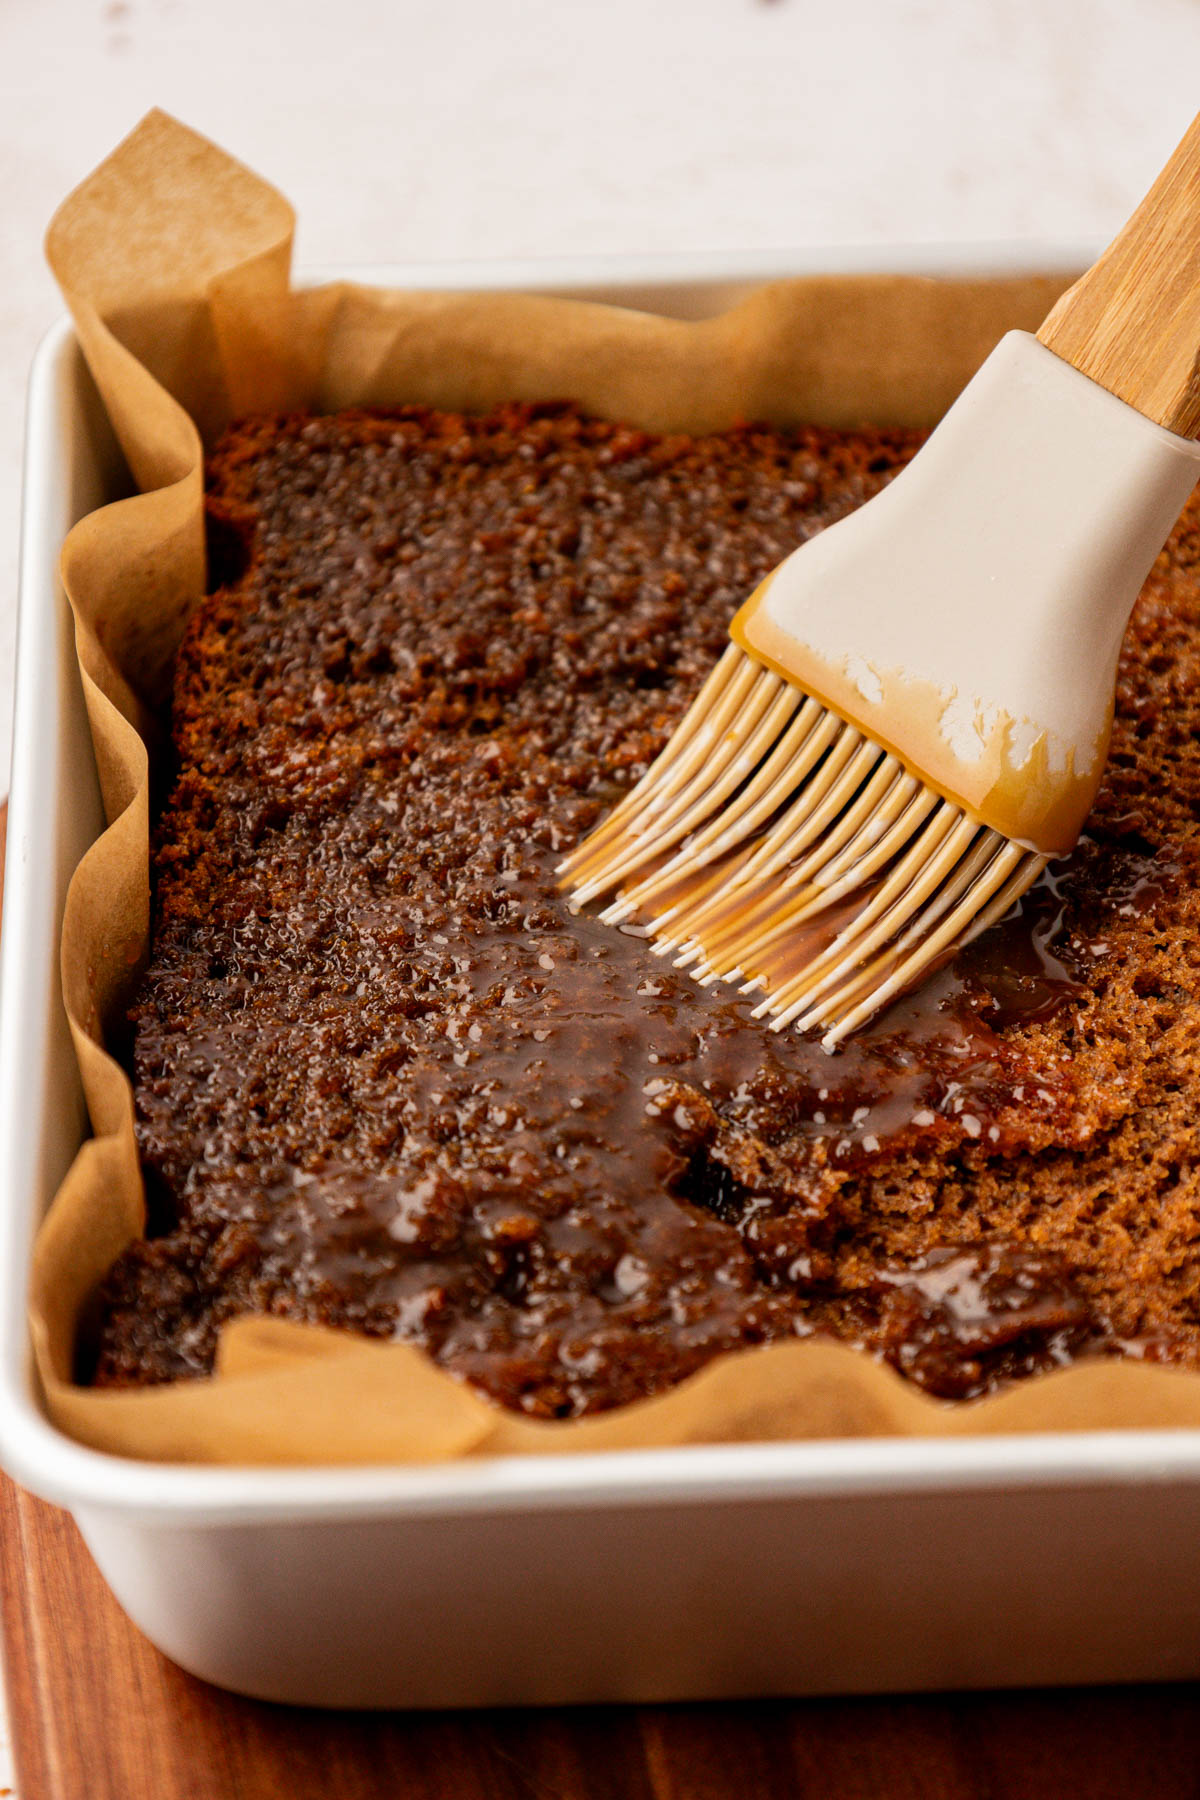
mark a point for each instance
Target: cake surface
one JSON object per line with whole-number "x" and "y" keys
{"x": 385, "y": 1081}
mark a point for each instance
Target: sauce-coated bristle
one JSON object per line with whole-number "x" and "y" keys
{"x": 774, "y": 845}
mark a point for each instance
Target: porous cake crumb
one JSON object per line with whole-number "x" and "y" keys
{"x": 385, "y": 1081}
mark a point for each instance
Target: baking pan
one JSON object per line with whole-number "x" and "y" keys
{"x": 739, "y": 1569}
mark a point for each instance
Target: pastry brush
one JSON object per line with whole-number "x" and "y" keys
{"x": 914, "y": 713}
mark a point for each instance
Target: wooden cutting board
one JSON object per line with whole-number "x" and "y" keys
{"x": 98, "y": 1714}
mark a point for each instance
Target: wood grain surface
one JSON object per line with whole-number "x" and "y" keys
{"x": 1132, "y": 323}
{"x": 98, "y": 1714}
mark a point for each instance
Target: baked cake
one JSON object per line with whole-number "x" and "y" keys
{"x": 385, "y": 1081}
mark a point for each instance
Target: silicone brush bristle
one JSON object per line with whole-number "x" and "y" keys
{"x": 772, "y": 844}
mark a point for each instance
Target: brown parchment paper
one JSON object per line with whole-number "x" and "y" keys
{"x": 174, "y": 261}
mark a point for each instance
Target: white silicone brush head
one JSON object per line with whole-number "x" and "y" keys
{"x": 914, "y": 713}
{"x": 969, "y": 618}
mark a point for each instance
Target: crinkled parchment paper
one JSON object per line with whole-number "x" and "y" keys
{"x": 174, "y": 261}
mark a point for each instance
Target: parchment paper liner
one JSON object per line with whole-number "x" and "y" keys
{"x": 174, "y": 261}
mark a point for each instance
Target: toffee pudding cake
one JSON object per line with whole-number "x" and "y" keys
{"x": 385, "y": 1081}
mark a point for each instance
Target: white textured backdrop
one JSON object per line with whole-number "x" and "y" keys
{"x": 429, "y": 129}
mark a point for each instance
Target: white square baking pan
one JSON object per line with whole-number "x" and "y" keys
{"x": 672, "y": 1574}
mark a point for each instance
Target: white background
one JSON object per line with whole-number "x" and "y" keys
{"x": 430, "y": 129}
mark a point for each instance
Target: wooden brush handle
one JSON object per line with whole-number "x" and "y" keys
{"x": 1132, "y": 323}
